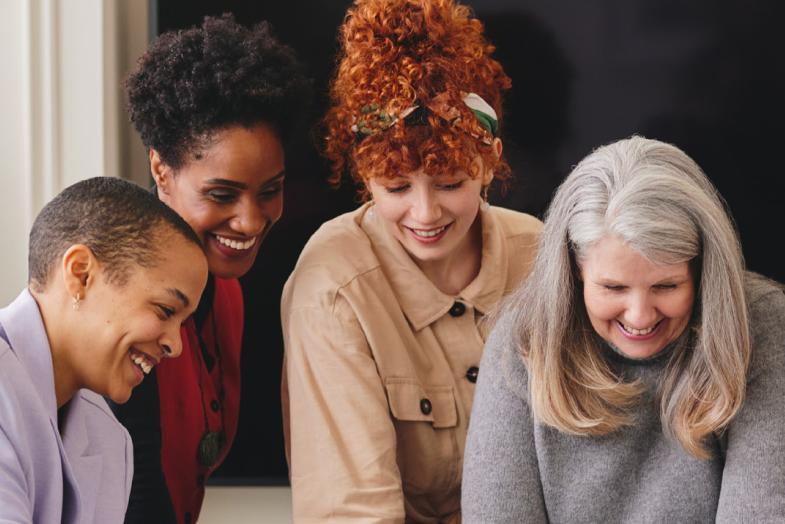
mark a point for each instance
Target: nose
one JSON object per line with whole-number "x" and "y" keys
{"x": 170, "y": 342}
{"x": 425, "y": 209}
{"x": 250, "y": 218}
{"x": 641, "y": 312}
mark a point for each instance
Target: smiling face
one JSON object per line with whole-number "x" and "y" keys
{"x": 231, "y": 194}
{"x": 123, "y": 331}
{"x": 635, "y": 305}
{"x": 431, "y": 216}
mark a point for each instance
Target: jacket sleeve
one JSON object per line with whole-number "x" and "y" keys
{"x": 15, "y": 503}
{"x": 340, "y": 439}
{"x": 149, "y": 499}
{"x": 501, "y": 481}
{"x": 753, "y": 479}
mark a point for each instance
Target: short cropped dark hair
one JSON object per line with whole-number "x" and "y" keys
{"x": 119, "y": 221}
{"x": 191, "y": 83}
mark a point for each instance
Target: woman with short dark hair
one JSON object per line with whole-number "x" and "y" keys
{"x": 217, "y": 107}
{"x": 113, "y": 274}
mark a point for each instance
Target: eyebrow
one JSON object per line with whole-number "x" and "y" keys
{"x": 179, "y": 295}
{"x": 240, "y": 185}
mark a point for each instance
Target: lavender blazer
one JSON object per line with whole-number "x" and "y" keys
{"x": 80, "y": 476}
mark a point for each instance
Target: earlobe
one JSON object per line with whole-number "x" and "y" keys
{"x": 159, "y": 171}
{"x": 78, "y": 270}
{"x": 498, "y": 147}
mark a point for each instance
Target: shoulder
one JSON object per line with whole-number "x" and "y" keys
{"x": 766, "y": 303}
{"x": 338, "y": 253}
{"x": 516, "y": 224}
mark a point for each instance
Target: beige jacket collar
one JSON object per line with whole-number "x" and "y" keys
{"x": 420, "y": 300}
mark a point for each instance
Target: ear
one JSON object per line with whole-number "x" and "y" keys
{"x": 161, "y": 172}
{"x": 79, "y": 269}
{"x": 498, "y": 147}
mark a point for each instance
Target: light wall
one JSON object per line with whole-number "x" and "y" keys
{"x": 62, "y": 115}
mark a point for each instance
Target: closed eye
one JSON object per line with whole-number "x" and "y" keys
{"x": 665, "y": 286}
{"x": 451, "y": 187}
{"x": 614, "y": 287}
{"x": 272, "y": 191}
{"x": 222, "y": 196}
{"x": 396, "y": 189}
{"x": 165, "y": 312}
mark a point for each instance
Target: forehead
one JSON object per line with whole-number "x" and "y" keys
{"x": 246, "y": 155}
{"x": 613, "y": 259}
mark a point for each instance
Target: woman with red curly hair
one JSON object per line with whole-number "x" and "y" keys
{"x": 382, "y": 316}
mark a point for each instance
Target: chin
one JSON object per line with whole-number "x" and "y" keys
{"x": 120, "y": 397}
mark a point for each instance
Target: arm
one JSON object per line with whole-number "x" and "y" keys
{"x": 15, "y": 504}
{"x": 501, "y": 481}
{"x": 340, "y": 438}
{"x": 753, "y": 479}
{"x": 149, "y": 500}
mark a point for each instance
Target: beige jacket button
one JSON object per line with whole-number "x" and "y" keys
{"x": 457, "y": 309}
{"x": 425, "y": 406}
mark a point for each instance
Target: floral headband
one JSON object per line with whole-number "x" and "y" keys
{"x": 373, "y": 119}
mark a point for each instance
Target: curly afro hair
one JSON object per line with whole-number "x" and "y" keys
{"x": 191, "y": 83}
{"x": 397, "y": 53}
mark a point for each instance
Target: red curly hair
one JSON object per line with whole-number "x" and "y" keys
{"x": 398, "y": 53}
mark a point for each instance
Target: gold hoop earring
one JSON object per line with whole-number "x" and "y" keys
{"x": 77, "y": 301}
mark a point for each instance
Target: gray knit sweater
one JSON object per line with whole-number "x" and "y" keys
{"x": 517, "y": 470}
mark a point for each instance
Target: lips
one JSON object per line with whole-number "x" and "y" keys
{"x": 142, "y": 361}
{"x": 233, "y": 247}
{"x": 429, "y": 235}
{"x": 639, "y": 334}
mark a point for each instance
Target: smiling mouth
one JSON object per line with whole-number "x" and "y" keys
{"x": 638, "y": 332}
{"x": 428, "y": 233}
{"x": 142, "y": 360}
{"x": 237, "y": 245}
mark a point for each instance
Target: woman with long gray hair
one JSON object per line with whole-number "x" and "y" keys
{"x": 638, "y": 374}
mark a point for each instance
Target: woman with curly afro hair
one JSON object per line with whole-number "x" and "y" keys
{"x": 383, "y": 314}
{"x": 216, "y": 107}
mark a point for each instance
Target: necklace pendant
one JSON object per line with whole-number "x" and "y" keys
{"x": 210, "y": 447}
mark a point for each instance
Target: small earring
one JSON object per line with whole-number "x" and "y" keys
{"x": 77, "y": 300}
{"x": 484, "y": 205}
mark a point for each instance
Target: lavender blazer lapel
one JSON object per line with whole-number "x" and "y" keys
{"x": 24, "y": 329}
{"x": 83, "y": 455}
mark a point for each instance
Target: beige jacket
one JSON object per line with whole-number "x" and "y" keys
{"x": 380, "y": 368}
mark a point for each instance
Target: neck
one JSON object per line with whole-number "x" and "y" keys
{"x": 57, "y": 334}
{"x": 453, "y": 273}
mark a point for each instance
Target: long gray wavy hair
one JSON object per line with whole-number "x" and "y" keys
{"x": 659, "y": 202}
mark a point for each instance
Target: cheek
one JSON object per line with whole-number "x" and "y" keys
{"x": 599, "y": 307}
{"x": 680, "y": 306}
{"x": 274, "y": 209}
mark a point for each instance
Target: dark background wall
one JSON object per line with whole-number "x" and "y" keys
{"x": 706, "y": 75}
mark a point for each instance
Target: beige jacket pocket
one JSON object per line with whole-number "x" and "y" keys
{"x": 425, "y": 418}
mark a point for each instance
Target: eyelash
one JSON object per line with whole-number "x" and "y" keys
{"x": 227, "y": 197}
{"x": 661, "y": 287}
{"x": 222, "y": 197}
{"x": 166, "y": 312}
{"x": 443, "y": 187}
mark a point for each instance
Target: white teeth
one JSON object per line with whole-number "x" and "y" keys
{"x": 428, "y": 233}
{"x": 142, "y": 362}
{"x": 234, "y": 244}
{"x": 638, "y": 332}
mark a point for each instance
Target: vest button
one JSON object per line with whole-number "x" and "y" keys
{"x": 425, "y": 406}
{"x": 457, "y": 309}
